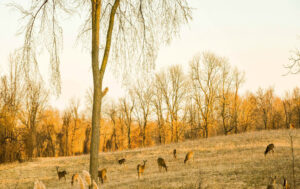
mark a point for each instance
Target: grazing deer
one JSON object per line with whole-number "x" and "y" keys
{"x": 285, "y": 184}
{"x": 189, "y": 156}
{"x": 269, "y": 148}
{"x": 87, "y": 177}
{"x": 141, "y": 168}
{"x": 102, "y": 175}
{"x": 272, "y": 183}
{"x": 61, "y": 174}
{"x": 121, "y": 161}
{"x": 39, "y": 185}
{"x": 161, "y": 163}
{"x": 174, "y": 153}
{"x": 77, "y": 178}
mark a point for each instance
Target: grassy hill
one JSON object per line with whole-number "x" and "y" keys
{"x": 234, "y": 161}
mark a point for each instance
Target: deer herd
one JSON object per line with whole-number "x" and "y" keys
{"x": 84, "y": 180}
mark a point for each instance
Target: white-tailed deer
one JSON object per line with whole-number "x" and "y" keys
{"x": 272, "y": 183}
{"x": 141, "y": 168}
{"x": 121, "y": 161}
{"x": 285, "y": 184}
{"x": 269, "y": 148}
{"x": 39, "y": 185}
{"x": 61, "y": 174}
{"x": 174, "y": 153}
{"x": 189, "y": 156}
{"x": 102, "y": 175}
{"x": 161, "y": 163}
{"x": 87, "y": 177}
{"x": 77, "y": 178}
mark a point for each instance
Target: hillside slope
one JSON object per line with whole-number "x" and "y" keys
{"x": 234, "y": 161}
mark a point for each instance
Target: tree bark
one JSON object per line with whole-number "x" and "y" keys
{"x": 96, "y": 8}
{"x": 98, "y": 78}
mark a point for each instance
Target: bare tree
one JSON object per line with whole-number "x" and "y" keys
{"x": 74, "y": 107}
{"x": 224, "y": 96}
{"x": 172, "y": 84}
{"x": 127, "y": 107}
{"x": 294, "y": 65}
{"x": 205, "y": 77}
{"x": 11, "y": 96}
{"x": 112, "y": 112}
{"x": 36, "y": 99}
{"x": 264, "y": 102}
{"x": 129, "y": 28}
{"x": 157, "y": 102}
{"x": 193, "y": 118}
{"x": 238, "y": 80}
{"x": 142, "y": 93}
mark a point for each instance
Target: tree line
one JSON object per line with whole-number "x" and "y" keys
{"x": 167, "y": 106}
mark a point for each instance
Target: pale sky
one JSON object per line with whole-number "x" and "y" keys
{"x": 257, "y": 36}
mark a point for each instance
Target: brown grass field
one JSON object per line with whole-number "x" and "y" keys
{"x": 234, "y": 161}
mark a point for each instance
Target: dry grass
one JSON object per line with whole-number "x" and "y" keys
{"x": 235, "y": 161}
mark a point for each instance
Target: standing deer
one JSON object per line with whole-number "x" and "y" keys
{"x": 174, "y": 153}
{"x": 102, "y": 175}
{"x": 141, "y": 168}
{"x": 61, "y": 174}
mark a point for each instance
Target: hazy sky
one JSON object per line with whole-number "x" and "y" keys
{"x": 257, "y": 36}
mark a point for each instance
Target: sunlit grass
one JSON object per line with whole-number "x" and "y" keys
{"x": 234, "y": 161}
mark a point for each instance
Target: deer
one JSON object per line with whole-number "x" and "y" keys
{"x": 269, "y": 148}
{"x": 272, "y": 183}
{"x": 174, "y": 154}
{"x": 87, "y": 177}
{"x": 121, "y": 161}
{"x": 161, "y": 163}
{"x": 83, "y": 182}
{"x": 77, "y": 178}
{"x": 102, "y": 175}
{"x": 61, "y": 174}
{"x": 285, "y": 184}
{"x": 141, "y": 168}
{"x": 39, "y": 185}
{"x": 188, "y": 156}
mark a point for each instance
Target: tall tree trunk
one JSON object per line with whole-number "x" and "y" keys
{"x": 98, "y": 77}
{"x": 96, "y": 8}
